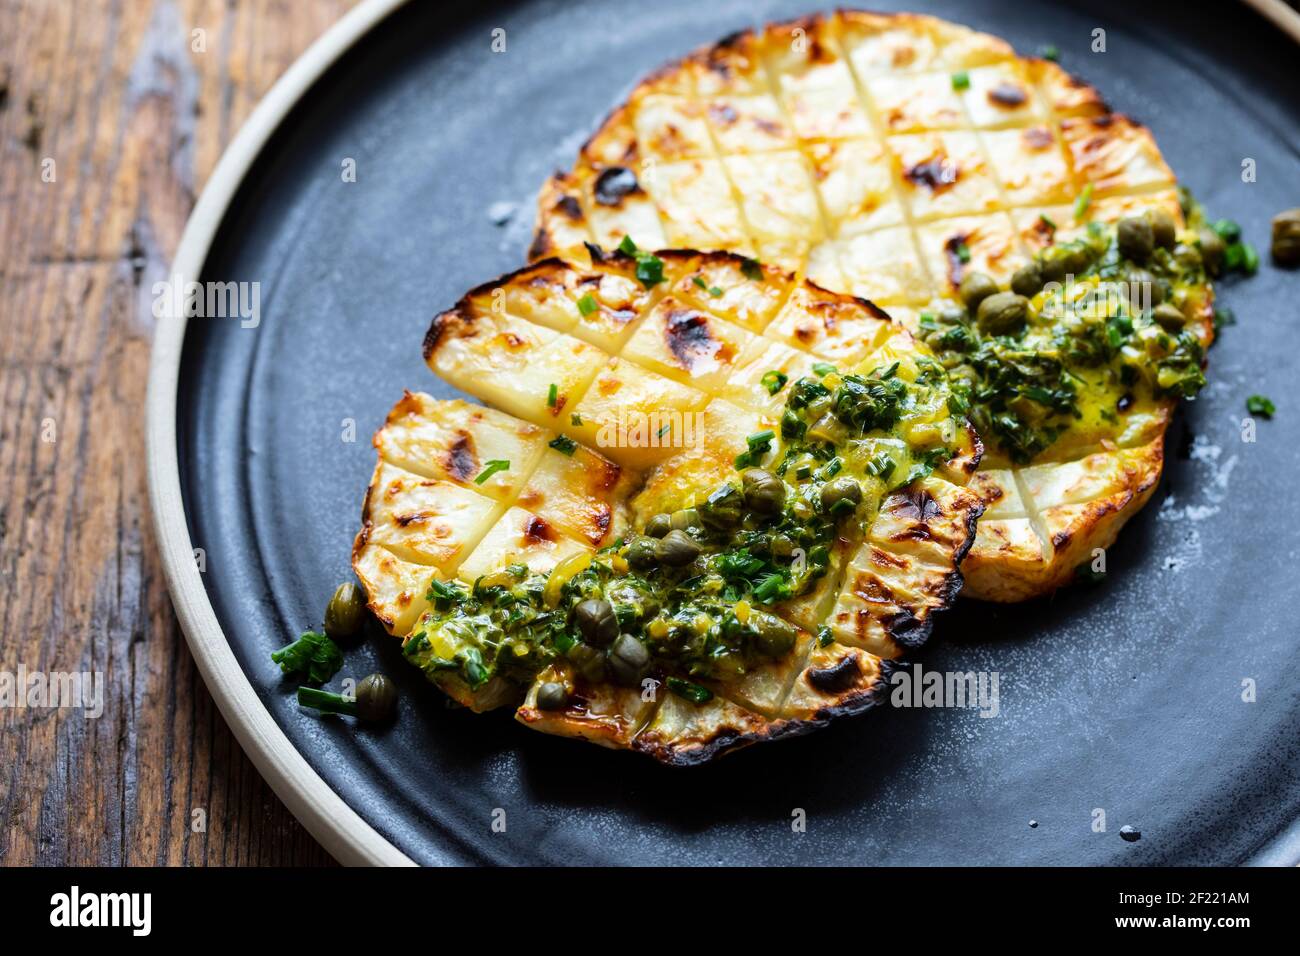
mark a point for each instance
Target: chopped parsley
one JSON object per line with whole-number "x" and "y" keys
{"x": 1260, "y": 405}
{"x": 313, "y": 655}
{"x": 490, "y": 468}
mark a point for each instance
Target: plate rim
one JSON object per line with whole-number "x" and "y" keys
{"x": 328, "y": 818}
{"x": 343, "y": 833}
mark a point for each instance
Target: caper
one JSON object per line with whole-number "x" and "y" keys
{"x": 345, "y": 612}
{"x": 1188, "y": 257}
{"x": 596, "y": 621}
{"x": 685, "y": 519}
{"x": 1028, "y": 280}
{"x": 659, "y": 525}
{"x": 1142, "y": 284}
{"x": 1286, "y": 238}
{"x": 776, "y": 637}
{"x": 552, "y": 695}
{"x": 724, "y": 508}
{"x": 589, "y": 661}
{"x": 376, "y": 698}
{"x": 1169, "y": 316}
{"x": 628, "y": 660}
{"x": 1002, "y": 313}
{"x": 764, "y": 492}
{"x": 1066, "y": 260}
{"x": 975, "y": 288}
{"x": 1163, "y": 228}
{"x": 1135, "y": 237}
{"x": 840, "y": 489}
{"x": 1212, "y": 250}
{"x": 677, "y": 549}
{"x": 781, "y": 545}
{"x": 640, "y": 554}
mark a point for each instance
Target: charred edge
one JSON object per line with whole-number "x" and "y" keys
{"x": 875, "y": 310}
{"x": 910, "y": 631}
{"x": 541, "y": 245}
{"x": 434, "y": 335}
{"x": 727, "y": 741}
{"x": 838, "y": 678}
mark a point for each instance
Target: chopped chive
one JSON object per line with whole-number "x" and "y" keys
{"x": 963, "y": 252}
{"x": 688, "y": 691}
{"x": 649, "y": 269}
{"x": 1081, "y": 204}
{"x": 564, "y": 445}
{"x": 627, "y": 246}
{"x": 961, "y": 80}
{"x": 825, "y": 636}
{"x": 490, "y": 468}
{"x": 552, "y": 395}
{"x": 575, "y": 419}
{"x": 774, "y": 381}
{"x": 760, "y": 443}
{"x": 664, "y": 430}
{"x": 751, "y": 268}
{"x": 822, "y": 369}
{"x": 1050, "y": 52}
{"x": 587, "y": 304}
{"x": 712, "y": 290}
{"x": 1047, "y": 221}
{"x": 1260, "y": 405}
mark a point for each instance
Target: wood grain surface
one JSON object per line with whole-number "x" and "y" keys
{"x": 112, "y": 115}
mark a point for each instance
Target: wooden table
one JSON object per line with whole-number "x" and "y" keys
{"x": 112, "y": 115}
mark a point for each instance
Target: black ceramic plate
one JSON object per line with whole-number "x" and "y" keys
{"x": 1127, "y": 697}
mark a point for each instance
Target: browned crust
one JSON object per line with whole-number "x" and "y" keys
{"x": 462, "y": 313}
{"x": 728, "y": 740}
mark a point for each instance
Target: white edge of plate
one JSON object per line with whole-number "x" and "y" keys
{"x": 335, "y": 825}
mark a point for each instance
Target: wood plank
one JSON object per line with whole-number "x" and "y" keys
{"x": 133, "y": 109}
